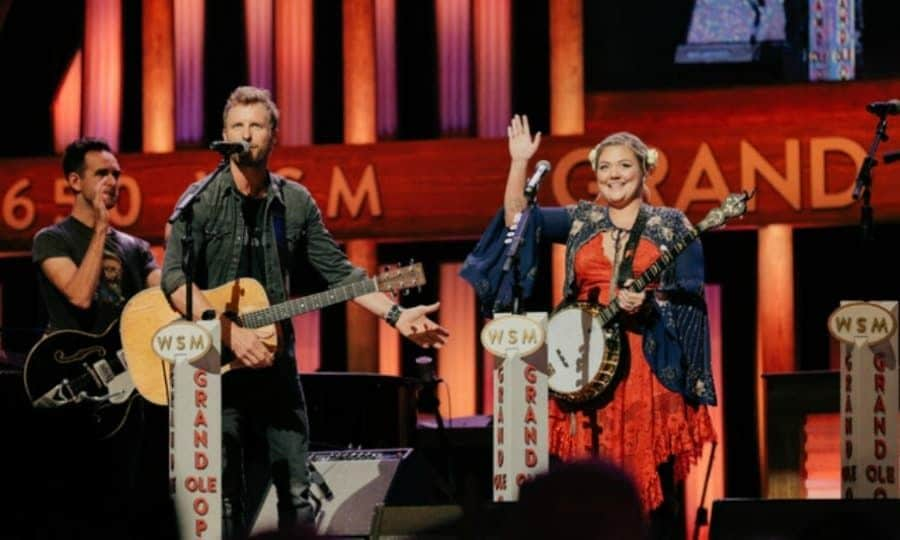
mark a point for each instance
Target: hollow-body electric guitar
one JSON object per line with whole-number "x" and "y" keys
{"x": 70, "y": 367}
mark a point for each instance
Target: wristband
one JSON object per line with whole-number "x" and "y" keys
{"x": 393, "y": 315}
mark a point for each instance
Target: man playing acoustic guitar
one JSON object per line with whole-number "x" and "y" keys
{"x": 251, "y": 223}
{"x": 88, "y": 271}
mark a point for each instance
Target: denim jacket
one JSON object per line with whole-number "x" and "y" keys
{"x": 295, "y": 236}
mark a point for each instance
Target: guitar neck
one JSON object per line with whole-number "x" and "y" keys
{"x": 662, "y": 263}
{"x": 305, "y": 304}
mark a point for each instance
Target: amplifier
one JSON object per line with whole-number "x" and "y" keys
{"x": 351, "y": 483}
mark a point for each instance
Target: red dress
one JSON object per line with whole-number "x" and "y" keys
{"x": 645, "y": 424}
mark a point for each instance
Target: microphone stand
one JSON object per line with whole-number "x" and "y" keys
{"x": 863, "y": 187}
{"x": 428, "y": 402}
{"x": 702, "y": 517}
{"x": 184, "y": 209}
{"x": 512, "y": 253}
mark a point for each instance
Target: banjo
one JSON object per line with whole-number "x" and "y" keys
{"x": 583, "y": 342}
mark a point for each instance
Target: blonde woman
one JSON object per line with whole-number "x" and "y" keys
{"x": 654, "y": 419}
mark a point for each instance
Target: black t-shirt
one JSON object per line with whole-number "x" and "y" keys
{"x": 252, "y": 256}
{"x": 126, "y": 263}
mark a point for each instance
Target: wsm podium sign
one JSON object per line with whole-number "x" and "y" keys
{"x": 869, "y": 398}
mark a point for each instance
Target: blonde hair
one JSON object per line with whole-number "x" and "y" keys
{"x": 248, "y": 95}
{"x": 646, "y": 156}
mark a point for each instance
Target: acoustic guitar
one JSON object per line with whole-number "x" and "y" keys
{"x": 245, "y": 301}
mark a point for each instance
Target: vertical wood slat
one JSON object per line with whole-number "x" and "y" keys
{"x": 158, "y": 75}
{"x": 189, "y": 32}
{"x": 457, "y": 364}
{"x": 294, "y": 70}
{"x": 102, "y": 81}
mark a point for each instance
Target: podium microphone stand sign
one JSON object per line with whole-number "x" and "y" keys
{"x": 521, "y": 433}
{"x": 195, "y": 424}
{"x": 869, "y": 394}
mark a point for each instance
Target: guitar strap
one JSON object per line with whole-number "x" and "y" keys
{"x": 626, "y": 269}
{"x": 278, "y": 227}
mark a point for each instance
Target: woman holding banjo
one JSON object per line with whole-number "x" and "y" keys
{"x": 652, "y": 419}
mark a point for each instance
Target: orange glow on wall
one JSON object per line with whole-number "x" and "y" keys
{"x": 386, "y": 66}
{"x": 293, "y": 70}
{"x": 190, "y": 18}
{"x": 362, "y": 327}
{"x": 454, "y": 52}
{"x": 774, "y": 316}
{"x": 258, "y": 27}
{"x": 158, "y": 79}
{"x": 388, "y": 350}
{"x": 493, "y": 36}
{"x": 66, "y": 107}
{"x": 102, "y": 97}
{"x": 822, "y": 456}
{"x": 457, "y": 363}
{"x": 307, "y": 345}
{"x": 558, "y": 270}
{"x": 159, "y": 253}
{"x": 359, "y": 71}
{"x": 693, "y": 484}
{"x": 566, "y": 68}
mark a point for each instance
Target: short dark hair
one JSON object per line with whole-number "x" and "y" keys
{"x": 73, "y": 156}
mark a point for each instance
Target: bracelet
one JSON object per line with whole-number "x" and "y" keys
{"x": 393, "y": 315}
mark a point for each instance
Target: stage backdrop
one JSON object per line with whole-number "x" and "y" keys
{"x": 799, "y": 146}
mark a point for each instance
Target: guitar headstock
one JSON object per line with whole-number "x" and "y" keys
{"x": 397, "y": 279}
{"x": 735, "y": 205}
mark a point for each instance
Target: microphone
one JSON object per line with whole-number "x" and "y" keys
{"x": 882, "y": 108}
{"x": 226, "y": 148}
{"x": 425, "y": 367}
{"x": 531, "y": 187}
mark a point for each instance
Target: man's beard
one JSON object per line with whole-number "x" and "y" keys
{"x": 247, "y": 160}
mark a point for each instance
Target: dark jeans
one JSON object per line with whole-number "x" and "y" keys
{"x": 257, "y": 426}
{"x": 86, "y": 487}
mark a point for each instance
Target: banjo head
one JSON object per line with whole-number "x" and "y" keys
{"x": 582, "y": 356}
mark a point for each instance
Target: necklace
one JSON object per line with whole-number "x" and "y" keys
{"x": 618, "y": 234}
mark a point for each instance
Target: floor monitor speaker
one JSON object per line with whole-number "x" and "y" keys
{"x": 351, "y": 483}
{"x": 801, "y": 519}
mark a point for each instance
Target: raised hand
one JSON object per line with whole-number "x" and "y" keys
{"x": 99, "y": 202}
{"x": 415, "y": 325}
{"x": 521, "y": 144}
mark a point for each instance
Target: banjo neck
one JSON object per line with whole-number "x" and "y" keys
{"x": 609, "y": 312}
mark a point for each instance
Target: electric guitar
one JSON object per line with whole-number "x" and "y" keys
{"x": 245, "y": 301}
{"x": 70, "y": 367}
